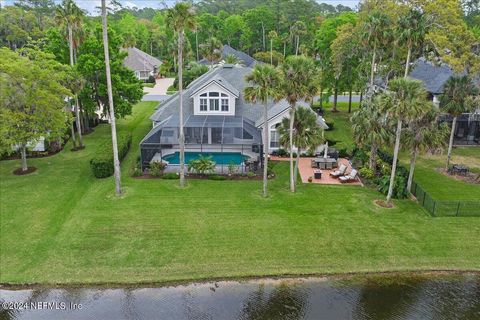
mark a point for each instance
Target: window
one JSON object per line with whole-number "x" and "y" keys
{"x": 213, "y": 104}
{"x": 214, "y": 101}
{"x": 224, "y": 104}
{"x": 203, "y": 104}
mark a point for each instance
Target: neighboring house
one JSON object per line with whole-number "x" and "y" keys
{"x": 434, "y": 78}
{"x": 244, "y": 58}
{"x": 143, "y": 64}
{"x": 216, "y": 119}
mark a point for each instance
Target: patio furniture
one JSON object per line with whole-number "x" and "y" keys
{"x": 317, "y": 174}
{"x": 459, "y": 169}
{"x": 352, "y": 176}
{"x": 322, "y": 162}
{"x": 329, "y": 165}
{"x": 340, "y": 172}
{"x": 314, "y": 164}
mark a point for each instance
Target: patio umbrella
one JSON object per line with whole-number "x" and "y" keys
{"x": 326, "y": 150}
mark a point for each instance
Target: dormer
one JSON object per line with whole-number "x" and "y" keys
{"x": 216, "y": 97}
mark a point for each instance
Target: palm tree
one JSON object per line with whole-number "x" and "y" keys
{"x": 232, "y": 59}
{"x": 371, "y": 128}
{"x": 212, "y": 50}
{"x": 424, "y": 133}
{"x": 456, "y": 99}
{"x": 298, "y": 72}
{"x": 404, "y": 102}
{"x": 412, "y": 29}
{"x": 298, "y": 29}
{"x": 264, "y": 82}
{"x": 181, "y": 17}
{"x": 70, "y": 15}
{"x": 307, "y": 134}
{"x": 116, "y": 161}
{"x": 375, "y": 32}
{"x": 272, "y": 35}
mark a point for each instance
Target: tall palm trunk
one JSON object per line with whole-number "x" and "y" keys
{"x": 335, "y": 98}
{"x": 409, "y": 55}
{"x": 116, "y": 161}
{"x": 374, "y": 57}
{"x": 292, "y": 119}
{"x": 395, "y": 159}
{"x": 265, "y": 150}
{"x": 181, "y": 136}
{"x": 74, "y": 138}
{"x": 413, "y": 160}
{"x": 297, "y": 46}
{"x": 450, "y": 143}
{"x": 23, "y": 152}
{"x": 77, "y": 109}
{"x": 295, "y": 171}
{"x": 284, "y": 49}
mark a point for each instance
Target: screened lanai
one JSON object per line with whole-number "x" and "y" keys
{"x": 228, "y": 138}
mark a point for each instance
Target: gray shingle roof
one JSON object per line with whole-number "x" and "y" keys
{"x": 433, "y": 76}
{"x": 137, "y": 60}
{"x": 233, "y": 76}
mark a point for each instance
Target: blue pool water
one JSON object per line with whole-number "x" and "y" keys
{"x": 219, "y": 157}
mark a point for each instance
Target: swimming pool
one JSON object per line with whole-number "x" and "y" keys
{"x": 219, "y": 157}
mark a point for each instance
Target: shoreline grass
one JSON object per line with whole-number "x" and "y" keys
{"x": 60, "y": 225}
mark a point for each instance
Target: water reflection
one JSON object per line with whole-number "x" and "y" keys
{"x": 438, "y": 297}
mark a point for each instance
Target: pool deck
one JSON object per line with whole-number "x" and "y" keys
{"x": 306, "y": 171}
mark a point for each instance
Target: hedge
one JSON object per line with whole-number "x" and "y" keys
{"x": 102, "y": 163}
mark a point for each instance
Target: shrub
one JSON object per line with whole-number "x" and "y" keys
{"x": 202, "y": 165}
{"x": 151, "y": 79}
{"x": 217, "y": 177}
{"x": 232, "y": 168}
{"x": 282, "y": 153}
{"x": 330, "y": 124}
{"x": 171, "y": 176}
{"x": 331, "y": 143}
{"x": 270, "y": 167}
{"x": 399, "y": 186}
{"x": 344, "y": 153}
{"x": 366, "y": 173}
{"x": 250, "y": 174}
{"x": 156, "y": 168}
{"x": 102, "y": 163}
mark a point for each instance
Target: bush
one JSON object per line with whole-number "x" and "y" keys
{"x": 202, "y": 165}
{"x": 331, "y": 143}
{"x": 156, "y": 168}
{"x": 366, "y": 173}
{"x": 282, "y": 153}
{"x": 344, "y": 153}
{"x": 399, "y": 186}
{"x": 171, "y": 176}
{"x": 102, "y": 163}
{"x": 330, "y": 124}
{"x": 250, "y": 174}
{"x": 232, "y": 168}
{"x": 270, "y": 167}
{"x": 151, "y": 79}
{"x": 216, "y": 177}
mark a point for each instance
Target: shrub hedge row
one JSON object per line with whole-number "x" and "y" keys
{"x": 102, "y": 163}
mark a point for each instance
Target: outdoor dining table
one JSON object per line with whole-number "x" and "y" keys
{"x": 322, "y": 162}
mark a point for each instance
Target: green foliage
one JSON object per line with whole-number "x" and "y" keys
{"x": 102, "y": 162}
{"x": 201, "y": 165}
{"x": 277, "y": 57}
{"x": 217, "y": 177}
{"x": 250, "y": 174}
{"x": 156, "y": 168}
{"x": 31, "y": 98}
{"x": 192, "y": 72}
{"x": 232, "y": 168}
{"x": 171, "y": 176}
{"x": 282, "y": 152}
{"x": 399, "y": 186}
{"x": 366, "y": 173}
{"x": 127, "y": 90}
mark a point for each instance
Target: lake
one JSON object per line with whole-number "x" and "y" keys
{"x": 356, "y": 297}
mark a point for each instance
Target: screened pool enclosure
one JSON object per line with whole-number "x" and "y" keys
{"x": 227, "y": 139}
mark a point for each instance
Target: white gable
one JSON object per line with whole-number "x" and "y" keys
{"x": 215, "y": 105}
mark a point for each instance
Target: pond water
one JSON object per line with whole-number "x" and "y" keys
{"x": 372, "y": 297}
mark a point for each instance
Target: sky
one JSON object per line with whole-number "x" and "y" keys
{"x": 90, "y": 5}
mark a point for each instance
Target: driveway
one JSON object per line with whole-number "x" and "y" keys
{"x": 160, "y": 87}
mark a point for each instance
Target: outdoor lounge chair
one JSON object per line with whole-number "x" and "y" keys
{"x": 340, "y": 172}
{"x": 352, "y": 176}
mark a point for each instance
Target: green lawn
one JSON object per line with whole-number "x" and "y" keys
{"x": 61, "y": 225}
{"x": 342, "y": 131}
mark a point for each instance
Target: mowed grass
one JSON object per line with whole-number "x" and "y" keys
{"x": 60, "y": 225}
